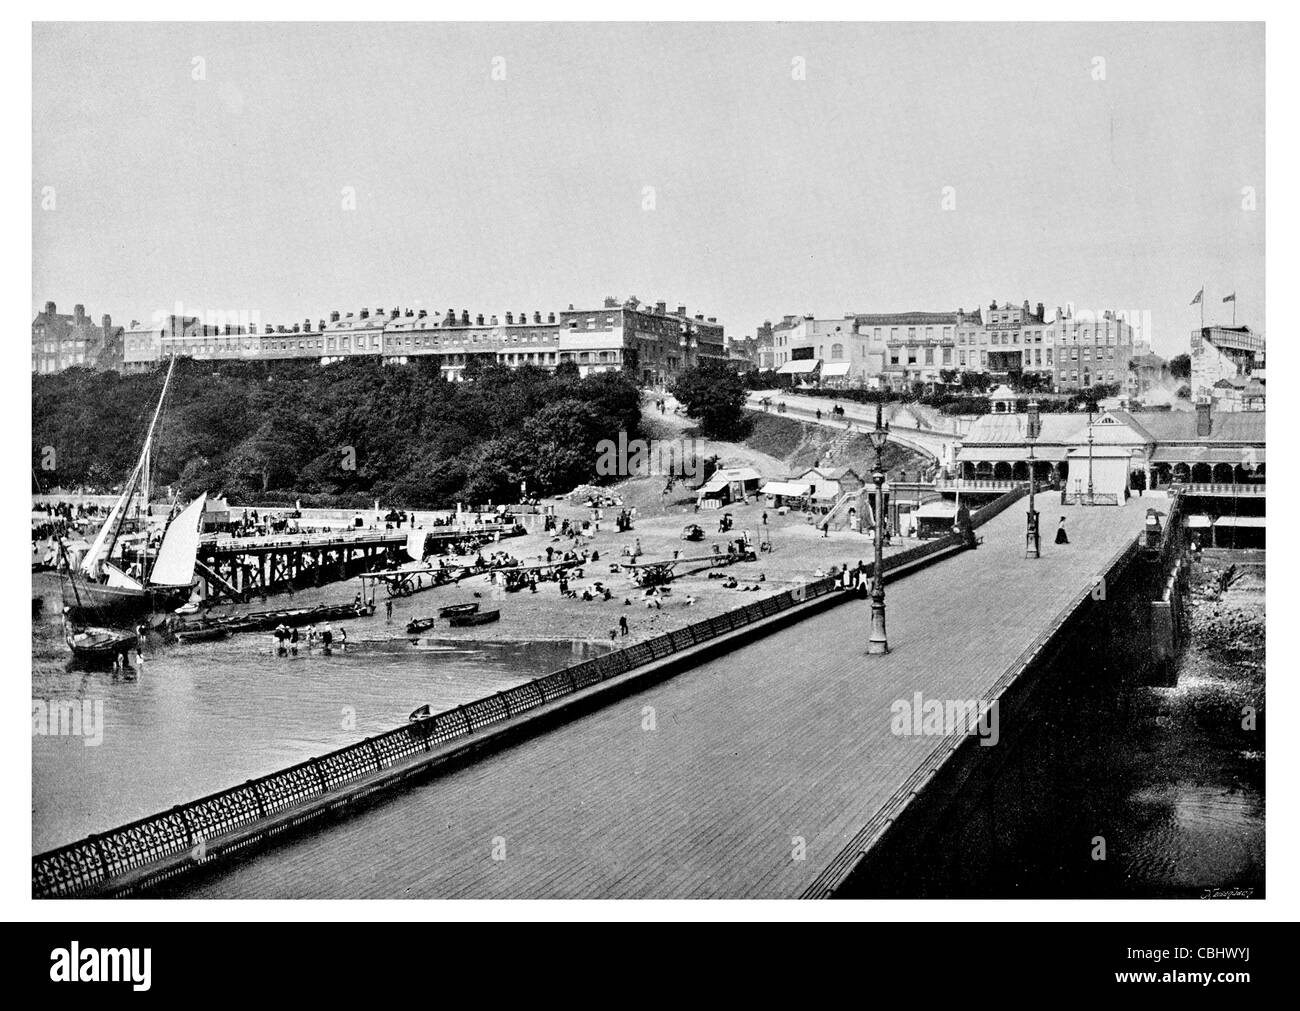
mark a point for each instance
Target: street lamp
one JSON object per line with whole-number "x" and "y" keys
{"x": 1031, "y": 518}
{"x": 878, "y": 642}
{"x": 1090, "y": 501}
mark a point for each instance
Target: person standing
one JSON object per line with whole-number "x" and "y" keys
{"x": 1061, "y": 536}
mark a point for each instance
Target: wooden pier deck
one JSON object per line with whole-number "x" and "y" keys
{"x": 783, "y": 740}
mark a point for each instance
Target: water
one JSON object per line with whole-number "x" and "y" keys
{"x": 198, "y": 718}
{"x": 1170, "y": 778}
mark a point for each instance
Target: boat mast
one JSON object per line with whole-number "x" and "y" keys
{"x": 148, "y": 468}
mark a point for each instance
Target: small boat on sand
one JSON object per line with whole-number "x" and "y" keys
{"x": 449, "y": 610}
{"x": 102, "y": 644}
{"x": 465, "y": 619}
{"x": 203, "y": 634}
{"x": 420, "y": 625}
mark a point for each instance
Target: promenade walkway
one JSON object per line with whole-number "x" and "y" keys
{"x": 783, "y": 740}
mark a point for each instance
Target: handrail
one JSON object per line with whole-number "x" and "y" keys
{"x": 88, "y": 864}
{"x": 841, "y": 868}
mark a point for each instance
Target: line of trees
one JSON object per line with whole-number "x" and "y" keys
{"x": 344, "y": 434}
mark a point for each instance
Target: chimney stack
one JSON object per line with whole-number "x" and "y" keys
{"x": 661, "y": 308}
{"x": 423, "y": 313}
{"x": 1039, "y": 313}
{"x": 365, "y": 313}
{"x": 334, "y": 316}
{"x": 106, "y": 323}
{"x": 478, "y": 320}
{"x": 681, "y": 310}
{"x": 49, "y": 308}
{"x": 79, "y": 313}
{"x": 537, "y": 316}
{"x": 510, "y": 319}
{"x": 1203, "y": 422}
{"x": 464, "y": 317}
{"x": 550, "y": 317}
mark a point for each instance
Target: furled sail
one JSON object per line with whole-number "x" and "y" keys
{"x": 93, "y": 560}
{"x": 92, "y": 565}
{"x": 175, "y": 564}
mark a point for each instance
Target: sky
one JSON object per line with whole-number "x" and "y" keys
{"x": 745, "y": 171}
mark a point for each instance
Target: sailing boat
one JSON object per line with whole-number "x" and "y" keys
{"x": 100, "y": 590}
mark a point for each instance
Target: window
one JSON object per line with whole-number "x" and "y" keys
{"x": 837, "y": 352}
{"x": 1049, "y": 356}
{"x": 929, "y": 356}
{"x": 961, "y": 358}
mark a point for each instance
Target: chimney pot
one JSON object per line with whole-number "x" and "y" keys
{"x": 1204, "y": 423}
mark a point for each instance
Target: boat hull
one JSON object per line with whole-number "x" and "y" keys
{"x": 101, "y": 604}
{"x": 473, "y": 618}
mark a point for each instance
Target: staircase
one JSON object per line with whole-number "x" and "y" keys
{"x": 838, "y": 517}
{"x": 837, "y": 447}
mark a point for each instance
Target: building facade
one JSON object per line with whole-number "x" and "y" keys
{"x": 649, "y": 341}
{"x": 61, "y": 341}
{"x": 1069, "y": 351}
{"x": 1228, "y": 367}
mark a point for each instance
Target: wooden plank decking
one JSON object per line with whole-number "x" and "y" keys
{"x": 785, "y": 739}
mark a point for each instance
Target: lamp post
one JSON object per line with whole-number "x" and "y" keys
{"x": 1031, "y": 518}
{"x": 1089, "y": 456}
{"x": 878, "y": 641}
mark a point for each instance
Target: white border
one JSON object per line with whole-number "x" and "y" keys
{"x": 1279, "y": 206}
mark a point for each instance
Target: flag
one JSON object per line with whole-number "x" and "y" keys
{"x": 1198, "y": 296}
{"x": 1230, "y": 298}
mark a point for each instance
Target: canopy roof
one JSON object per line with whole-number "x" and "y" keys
{"x": 835, "y": 369}
{"x": 799, "y": 368}
{"x": 792, "y": 488}
{"x": 1207, "y": 454}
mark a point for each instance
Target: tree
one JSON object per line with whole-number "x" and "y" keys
{"x": 1180, "y": 367}
{"x": 714, "y": 394}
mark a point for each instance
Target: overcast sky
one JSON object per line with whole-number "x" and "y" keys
{"x": 1109, "y": 185}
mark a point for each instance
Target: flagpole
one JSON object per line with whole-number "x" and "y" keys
{"x": 1202, "y": 307}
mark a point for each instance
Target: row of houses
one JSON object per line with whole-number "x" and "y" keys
{"x": 651, "y": 341}
{"x": 1071, "y": 350}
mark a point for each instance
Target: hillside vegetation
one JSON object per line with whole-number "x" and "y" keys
{"x": 342, "y": 435}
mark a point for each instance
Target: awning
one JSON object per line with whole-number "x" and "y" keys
{"x": 1198, "y": 521}
{"x": 715, "y": 483}
{"x": 789, "y": 488}
{"x": 936, "y": 510}
{"x": 1239, "y": 521}
{"x": 1207, "y": 454}
{"x": 835, "y": 369}
{"x": 799, "y": 368}
{"x": 1011, "y": 454}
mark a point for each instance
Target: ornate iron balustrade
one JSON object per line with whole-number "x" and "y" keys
{"x": 91, "y": 863}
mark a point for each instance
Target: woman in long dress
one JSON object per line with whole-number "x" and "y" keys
{"x": 1061, "y": 536}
